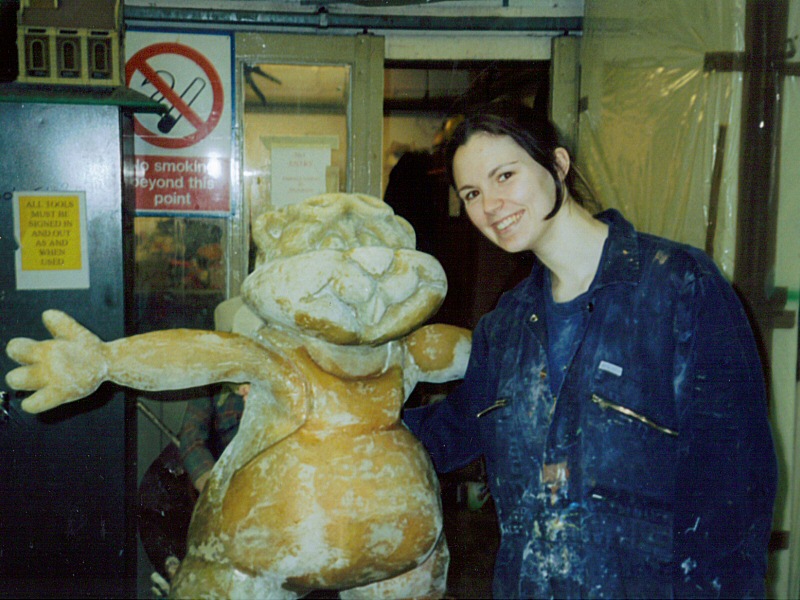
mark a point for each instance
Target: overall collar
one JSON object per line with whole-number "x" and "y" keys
{"x": 620, "y": 262}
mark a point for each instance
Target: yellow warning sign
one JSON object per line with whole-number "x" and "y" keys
{"x": 50, "y": 231}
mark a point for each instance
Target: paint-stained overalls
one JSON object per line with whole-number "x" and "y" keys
{"x": 653, "y": 473}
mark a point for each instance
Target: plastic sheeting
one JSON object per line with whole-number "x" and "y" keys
{"x": 652, "y": 119}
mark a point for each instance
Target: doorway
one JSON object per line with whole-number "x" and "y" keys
{"x": 309, "y": 114}
{"x": 419, "y": 97}
{"x": 419, "y": 102}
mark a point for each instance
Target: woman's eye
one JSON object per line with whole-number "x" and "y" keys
{"x": 470, "y": 196}
{"x": 504, "y": 176}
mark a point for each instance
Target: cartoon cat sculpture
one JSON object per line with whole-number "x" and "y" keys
{"x": 323, "y": 487}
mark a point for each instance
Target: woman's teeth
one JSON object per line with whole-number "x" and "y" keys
{"x": 507, "y": 222}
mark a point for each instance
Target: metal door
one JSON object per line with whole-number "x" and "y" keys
{"x": 65, "y": 527}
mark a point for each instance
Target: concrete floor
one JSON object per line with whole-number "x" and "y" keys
{"x": 473, "y": 538}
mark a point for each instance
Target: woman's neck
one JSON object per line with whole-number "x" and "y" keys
{"x": 573, "y": 256}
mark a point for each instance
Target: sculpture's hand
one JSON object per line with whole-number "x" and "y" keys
{"x": 160, "y": 587}
{"x": 70, "y": 366}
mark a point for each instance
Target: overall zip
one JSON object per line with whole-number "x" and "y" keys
{"x": 602, "y": 403}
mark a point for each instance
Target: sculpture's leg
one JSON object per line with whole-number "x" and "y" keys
{"x": 428, "y": 580}
{"x": 197, "y": 578}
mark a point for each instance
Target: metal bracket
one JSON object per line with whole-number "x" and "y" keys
{"x": 727, "y": 62}
{"x": 781, "y": 318}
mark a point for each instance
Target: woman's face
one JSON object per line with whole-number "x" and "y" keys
{"x": 507, "y": 194}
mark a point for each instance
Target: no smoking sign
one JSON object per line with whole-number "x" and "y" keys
{"x": 186, "y": 83}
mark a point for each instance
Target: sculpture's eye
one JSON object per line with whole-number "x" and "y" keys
{"x": 333, "y": 242}
{"x": 368, "y": 238}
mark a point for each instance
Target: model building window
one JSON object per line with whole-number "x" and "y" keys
{"x": 69, "y": 57}
{"x": 38, "y": 56}
{"x": 100, "y": 65}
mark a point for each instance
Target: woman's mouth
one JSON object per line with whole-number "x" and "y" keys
{"x": 510, "y": 220}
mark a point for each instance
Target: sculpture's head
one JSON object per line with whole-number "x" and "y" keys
{"x": 343, "y": 268}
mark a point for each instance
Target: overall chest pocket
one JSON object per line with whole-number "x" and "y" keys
{"x": 631, "y": 442}
{"x": 499, "y": 427}
{"x": 511, "y": 427}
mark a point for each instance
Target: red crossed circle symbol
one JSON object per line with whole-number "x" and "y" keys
{"x": 138, "y": 62}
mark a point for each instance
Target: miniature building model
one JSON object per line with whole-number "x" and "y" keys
{"x": 74, "y": 42}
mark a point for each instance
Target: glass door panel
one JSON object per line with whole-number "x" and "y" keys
{"x": 179, "y": 275}
{"x": 295, "y": 133}
{"x": 310, "y": 120}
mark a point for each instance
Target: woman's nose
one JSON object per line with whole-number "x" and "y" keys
{"x": 491, "y": 201}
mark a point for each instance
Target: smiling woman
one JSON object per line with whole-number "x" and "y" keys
{"x": 502, "y": 187}
{"x": 609, "y": 455}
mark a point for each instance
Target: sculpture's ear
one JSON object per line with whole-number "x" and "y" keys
{"x": 266, "y": 232}
{"x": 246, "y": 322}
{"x": 234, "y": 316}
{"x": 225, "y": 312}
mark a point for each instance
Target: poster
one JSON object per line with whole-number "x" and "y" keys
{"x": 301, "y": 167}
{"x": 183, "y": 156}
{"x": 50, "y": 229}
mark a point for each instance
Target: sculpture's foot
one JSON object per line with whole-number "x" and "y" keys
{"x": 428, "y": 580}
{"x": 199, "y": 579}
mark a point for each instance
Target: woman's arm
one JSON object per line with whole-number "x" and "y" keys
{"x": 727, "y": 470}
{"x": 449, "y": 429}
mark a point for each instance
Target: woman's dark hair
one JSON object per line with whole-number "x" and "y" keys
{"x": 537, "y": 136}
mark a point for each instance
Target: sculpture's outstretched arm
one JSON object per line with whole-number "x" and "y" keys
{"x": 75, "y": 362}
{"x": 436, "y": 353}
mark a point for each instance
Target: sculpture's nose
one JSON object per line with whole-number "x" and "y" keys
{"x": 374, "y": 310}
{"x": 375, "y": 260}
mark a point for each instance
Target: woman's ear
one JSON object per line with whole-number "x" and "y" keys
{"x": 562, "y": 162}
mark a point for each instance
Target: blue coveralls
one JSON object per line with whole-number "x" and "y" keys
{"x": 653, "y": 473}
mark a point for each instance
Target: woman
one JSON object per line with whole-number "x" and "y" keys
{"x": 616, "y": 393}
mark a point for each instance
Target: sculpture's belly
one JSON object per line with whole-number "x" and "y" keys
{"x": 334, "y": 511}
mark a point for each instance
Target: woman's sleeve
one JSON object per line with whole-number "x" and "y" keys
{"x": 449, "y": 429}
{"x": 727, "y": 469}
{"x": 194, "y": 437}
